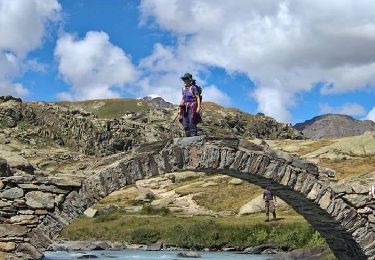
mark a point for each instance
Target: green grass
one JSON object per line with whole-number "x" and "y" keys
{"x": 223, "y": 197}
{"x": 355, "y": 166}
{"x": 227, "y": 197}
{"x": 110, "y": 108}
{"x": 198, "y": 232}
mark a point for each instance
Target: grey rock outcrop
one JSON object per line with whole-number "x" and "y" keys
{"x": 4, "y": 168}
{"x": 71, "y": 124}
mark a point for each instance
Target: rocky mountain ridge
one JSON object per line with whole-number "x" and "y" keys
{"x": 334, "y": 126}
{"x": 105, "y": 127}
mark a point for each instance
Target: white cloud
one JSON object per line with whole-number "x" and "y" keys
{"x": 13, "y": 89}
{"x": 272, "y": 102}
{"x": 23, "y": 24}
{"x": 284, "y": 46}
{"x": 163, "y": 70}
{"x": 351, "y": 109}
{"x": 212, "y": 93}
{"x": 371, "y": 115}
{"x": 93, "y": 66}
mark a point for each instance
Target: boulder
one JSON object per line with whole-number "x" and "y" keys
{"x": 162, "y": 203}
{"x": 133, "y": 209}
{"x": 188, "y": 254}
{"x": 81, "y": 246}
{"x": 117, "y": 246}
{"x": 256, "y": 205}
{"x": 260, "y": 249}
{"x": 40, "y": 200}
{"x": 145, "y": 197}
{"x": 136, "y": 247}
{"x": 310, "y": 253}
{"x": 155, "y": 246}
{"x": 228, "y": 249}
{"x": 209, "y": 184}
{"x": 87, "y": 256}
{"x": 16, "y": 161}
{"x": 235, "y": 181}
{"x": 102, "y": 246}
{"x": 90, "y": 212}
{"x": 4, "y": 168}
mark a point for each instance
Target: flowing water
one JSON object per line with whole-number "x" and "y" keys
{"x": 147, "y": 255}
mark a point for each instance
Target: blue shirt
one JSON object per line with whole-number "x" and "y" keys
{"x": 187, "y": 94}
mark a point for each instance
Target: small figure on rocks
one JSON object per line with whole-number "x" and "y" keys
{"x": 190, "y": 105}
{"x": 270, "y": 204}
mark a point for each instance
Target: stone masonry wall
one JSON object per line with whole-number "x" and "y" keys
{"x": 33, "y": 210}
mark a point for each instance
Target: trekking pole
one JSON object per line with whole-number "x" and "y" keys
{"x": 170, "y": 126}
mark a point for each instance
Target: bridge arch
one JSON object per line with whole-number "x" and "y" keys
{"x": 302, "y": 184}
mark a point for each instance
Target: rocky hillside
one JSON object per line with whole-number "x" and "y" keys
{"x": 102, "y": 127}
{"x": 334, "y": 126}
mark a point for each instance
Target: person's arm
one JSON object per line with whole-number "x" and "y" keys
{"x": 197, "y": 98}
{"x": 198, "y": 103}
{"x": 274, "y": 200}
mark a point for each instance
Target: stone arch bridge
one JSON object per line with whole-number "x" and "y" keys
{"x": 35, "y": 209}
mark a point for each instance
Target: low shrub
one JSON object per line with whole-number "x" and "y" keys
{"x": 144, "y": 236}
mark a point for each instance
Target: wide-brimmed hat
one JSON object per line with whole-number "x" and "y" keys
{"x": 187, "y": 76}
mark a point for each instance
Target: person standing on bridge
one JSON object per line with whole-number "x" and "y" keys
{"x": 190, "y": 105}
{"x": 270, "y": 203}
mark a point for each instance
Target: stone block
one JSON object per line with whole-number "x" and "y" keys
{"x": 30, "y": 250}
{"x": 23, "y": 219}
{"x": 285, "y": 179}
{"x": 40, "y": 200}
{"x": 7, "y": 246}
{"x": 325, "y": 200}
{"x": 8, "y": 230}
{"x": 356, "y": 200}
{"x": 41, "y": 212}
{"x": 12, "y": 193}
{"x": 312, "y": 195}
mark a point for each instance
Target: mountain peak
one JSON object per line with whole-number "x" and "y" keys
{"x": 334, "y": 126}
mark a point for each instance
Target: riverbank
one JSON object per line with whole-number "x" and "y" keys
{"x": 197, "y": 232}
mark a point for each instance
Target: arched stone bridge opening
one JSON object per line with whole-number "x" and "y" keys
{"x": 43, "y": 206}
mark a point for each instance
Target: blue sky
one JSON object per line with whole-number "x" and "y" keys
{"x": 288, "y": 59}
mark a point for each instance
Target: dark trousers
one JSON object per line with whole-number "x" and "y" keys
{"x": 270, "y": 206}
{"x": 187, "y": 122}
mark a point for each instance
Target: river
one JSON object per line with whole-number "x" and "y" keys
{"x": 147, "y": 255}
